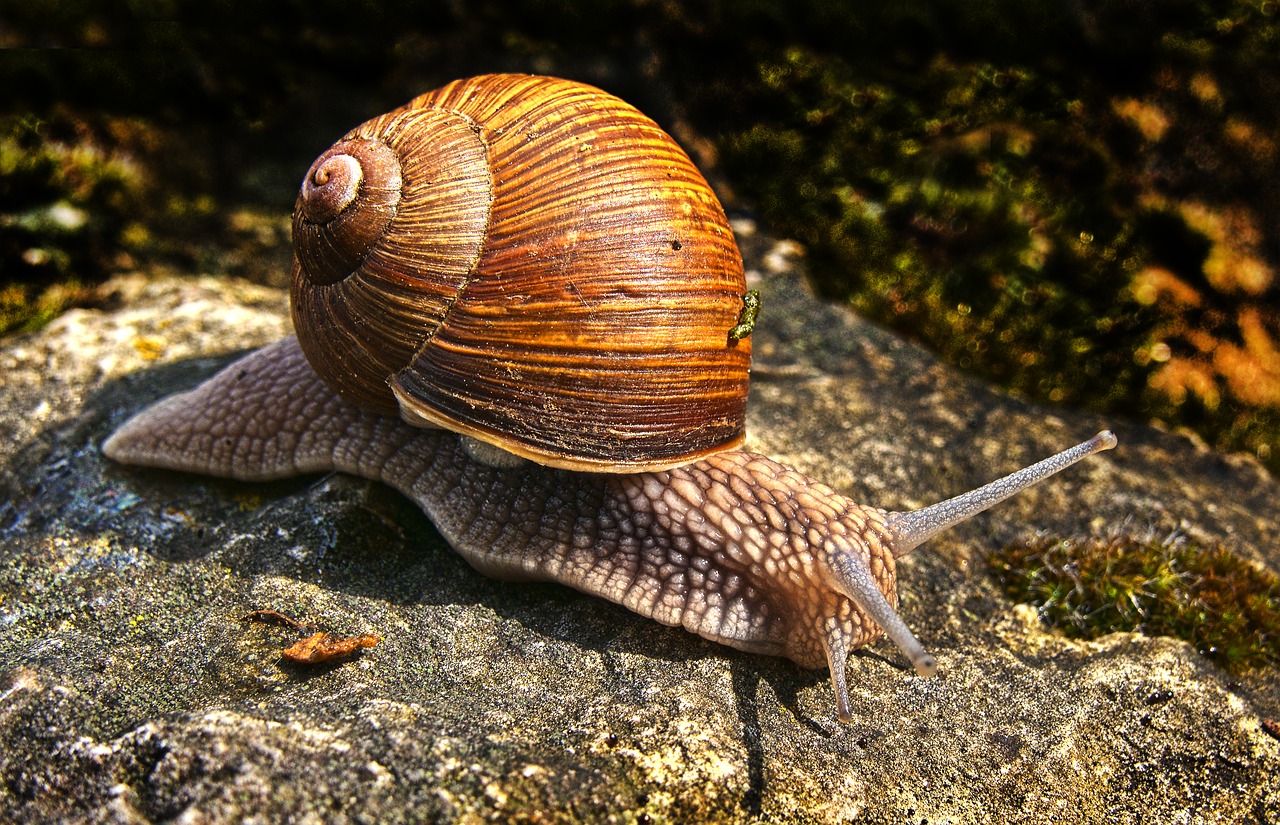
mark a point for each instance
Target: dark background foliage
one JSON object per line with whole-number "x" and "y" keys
{"x": 1077, "y": 200}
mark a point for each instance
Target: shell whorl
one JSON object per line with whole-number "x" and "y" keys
{"x": 348, "y": 197}
{"x": 367, "y": 292}
{"x": 556, "y": 278}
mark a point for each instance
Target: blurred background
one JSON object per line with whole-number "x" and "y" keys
{"x": 1076, "y": 200}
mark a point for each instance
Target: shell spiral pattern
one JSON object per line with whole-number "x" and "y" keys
{"x": 532, "y": 262}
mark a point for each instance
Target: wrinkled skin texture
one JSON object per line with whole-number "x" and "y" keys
{"x": 734, "y": 547}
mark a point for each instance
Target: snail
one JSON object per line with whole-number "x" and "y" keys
{"x": 517, "y": 301}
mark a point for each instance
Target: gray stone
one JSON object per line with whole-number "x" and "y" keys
{"x": 132, "y": 689}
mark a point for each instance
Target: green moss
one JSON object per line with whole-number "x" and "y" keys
{"x": 67, "y": 201}
{"x": 1008, "y": 203}
{"x": 1087, "y": 587}
{"x": 26, "y": 307}
{"x": 936, "y": 203}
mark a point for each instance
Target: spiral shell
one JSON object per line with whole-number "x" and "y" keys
{"x": 532, "y": 262}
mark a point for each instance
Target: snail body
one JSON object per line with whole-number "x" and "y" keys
{"x": 674, "y": 522}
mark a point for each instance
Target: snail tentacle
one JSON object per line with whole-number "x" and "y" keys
{"x": 911, "y": 529}
{"x": 853, "y": 579}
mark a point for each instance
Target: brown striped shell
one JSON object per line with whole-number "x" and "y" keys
{"x": 532, "y": 262}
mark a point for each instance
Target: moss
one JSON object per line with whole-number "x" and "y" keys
{"x": 1006, "y": 204}
{"x": 1088, "y": 587}
{"x": 67, "y": 204}
{"x": 27, "y": 307}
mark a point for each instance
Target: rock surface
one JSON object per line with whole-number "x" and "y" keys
{"x": 132, "y": 689}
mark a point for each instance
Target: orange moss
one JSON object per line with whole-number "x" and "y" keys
{"x": 1154, "y": 283}
{"x": 1205, "y": 89}
{"x": 1183, "y": 377}
{"x": 1234, "y": 264}
{"x": 1149, "y": 118}
{"x": 1252, "y": 372}
{"x": 1260, "y": 146}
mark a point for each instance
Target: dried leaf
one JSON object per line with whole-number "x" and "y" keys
{"x": 323, "y": 647}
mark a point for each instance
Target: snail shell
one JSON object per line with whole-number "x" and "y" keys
{"x": 532, "y": 262}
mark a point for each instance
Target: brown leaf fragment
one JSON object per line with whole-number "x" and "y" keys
{"x": 269, "y": 616}
{"x": 323, "y": 647}
{"x": 1272, "y": 726}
